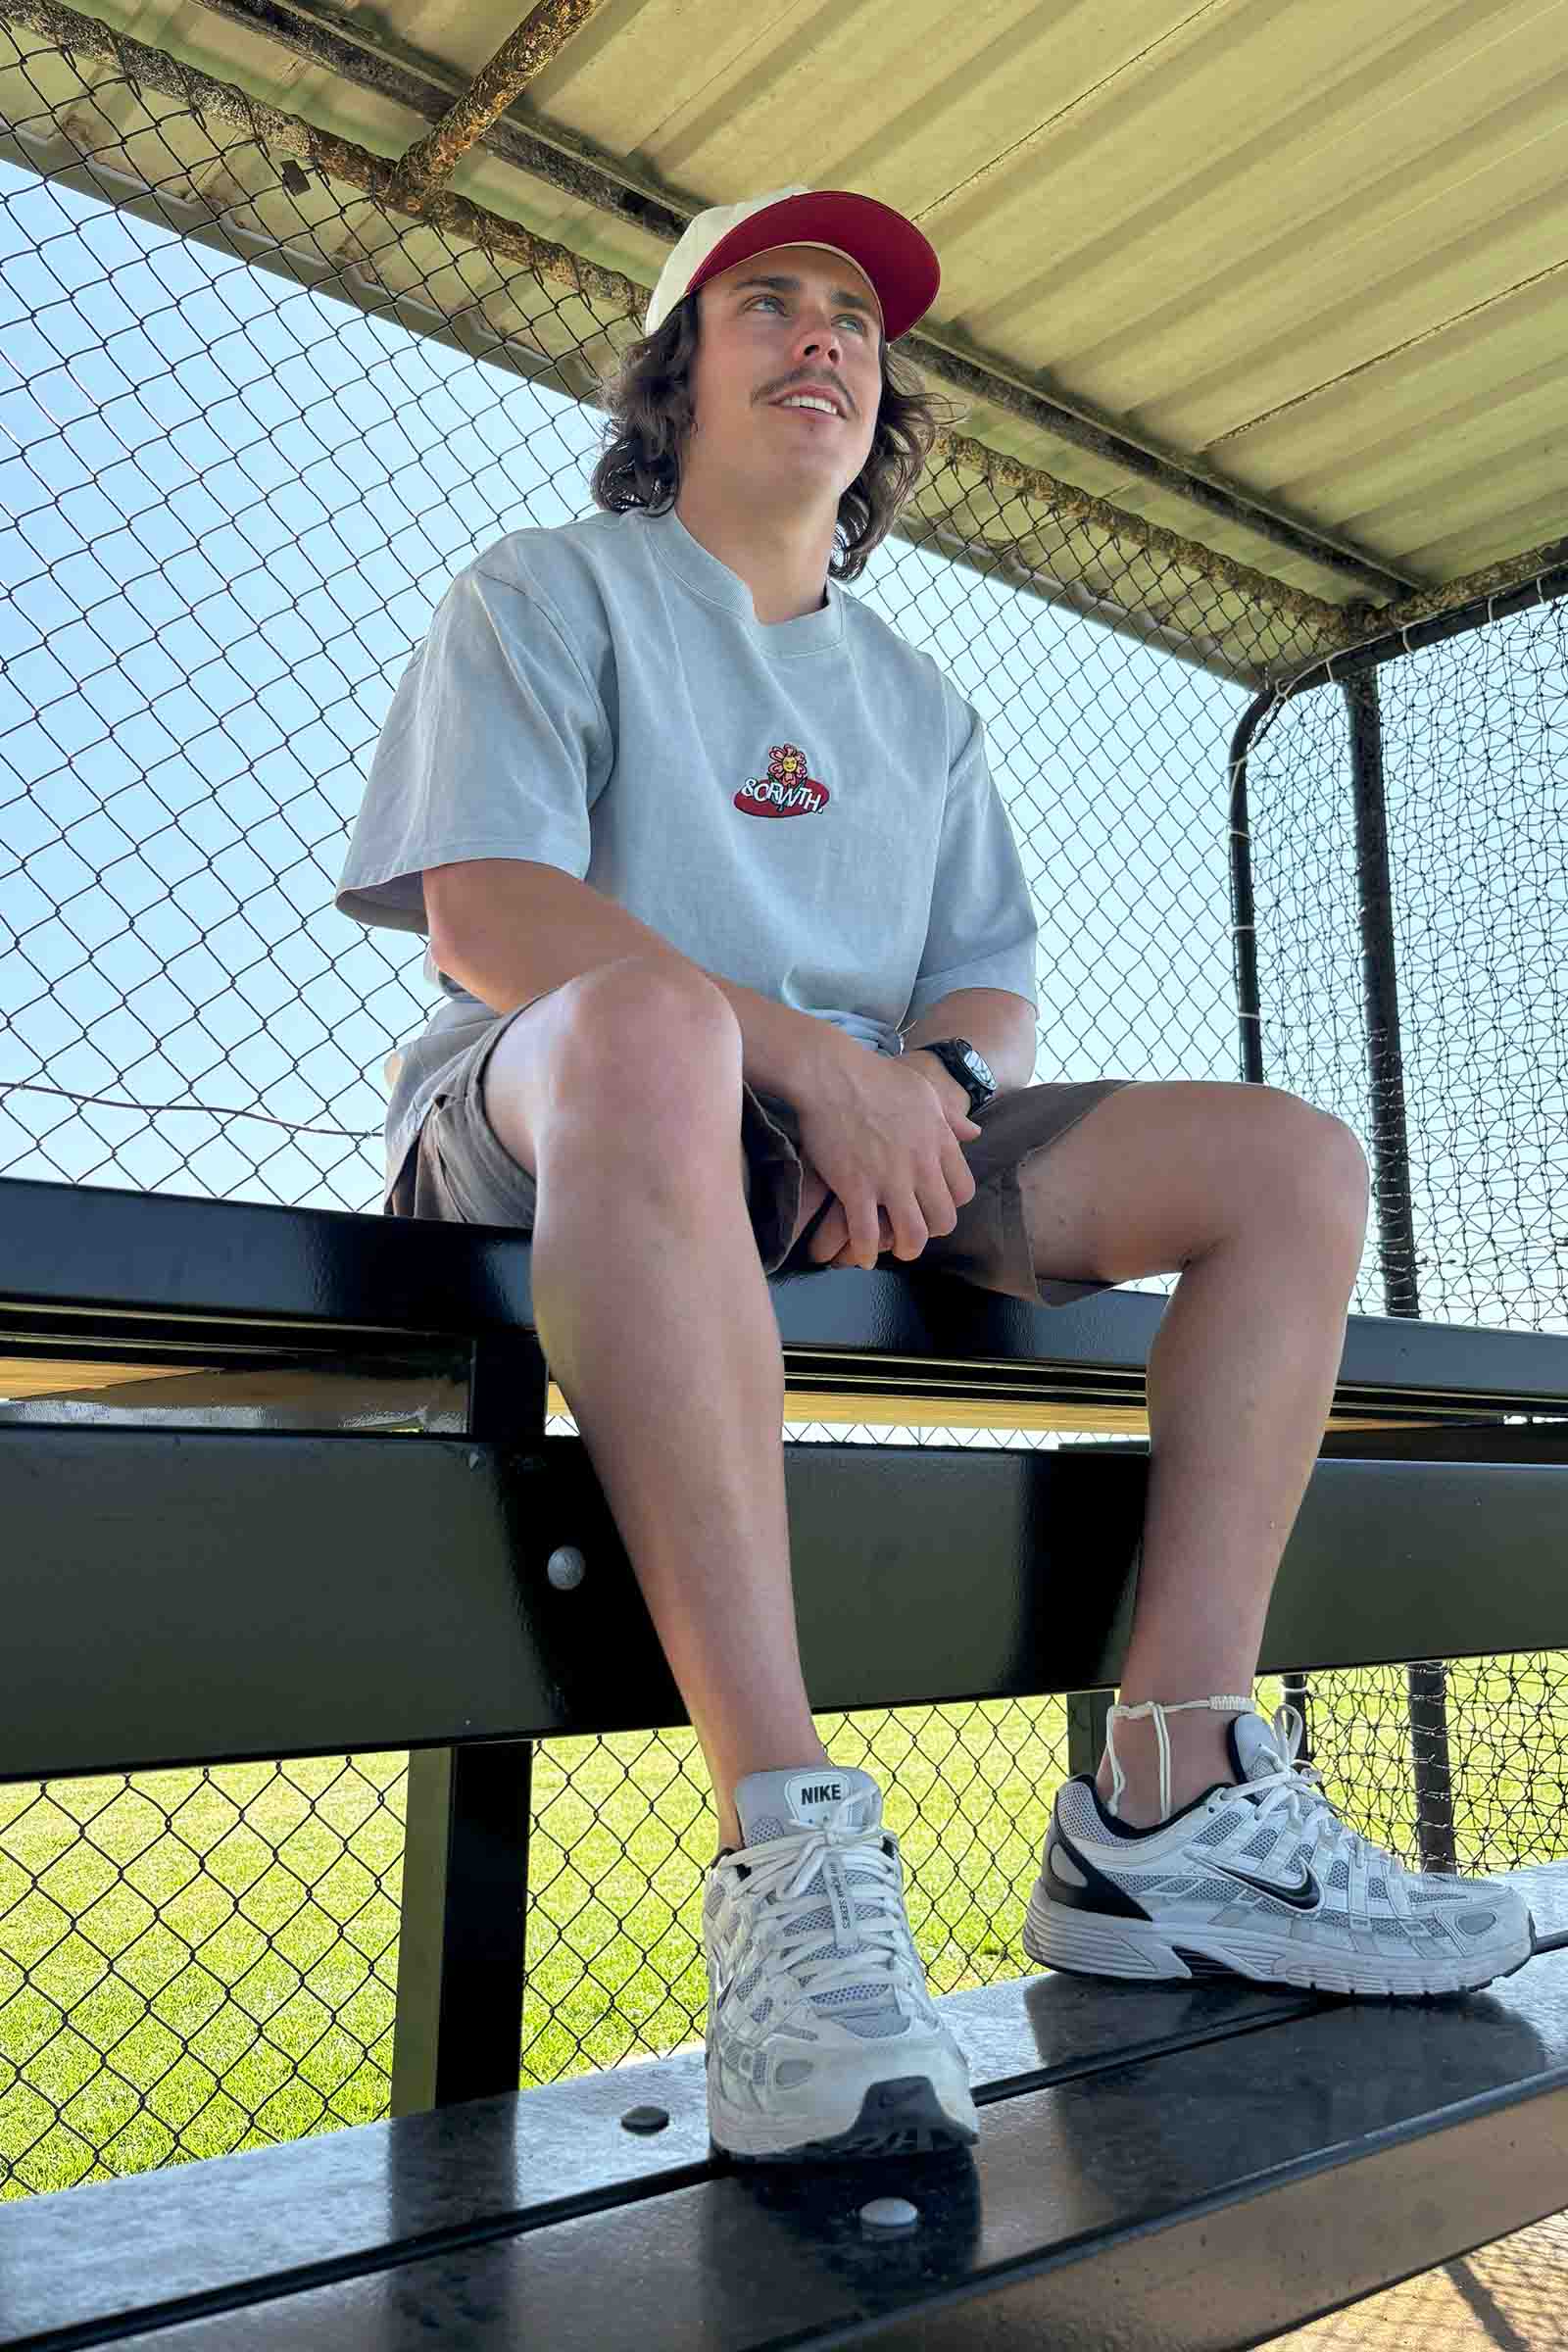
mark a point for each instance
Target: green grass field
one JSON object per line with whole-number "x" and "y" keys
{"x": 196, "y": 1962}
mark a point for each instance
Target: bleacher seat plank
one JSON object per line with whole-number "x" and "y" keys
{"x": 1300, "y": 2153}
{"x": 76, "y": 2260}
{"x": 166, "y": 1268}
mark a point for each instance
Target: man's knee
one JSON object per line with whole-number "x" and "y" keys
{"x": 633, "y": 1040}
{"x": 1323, "y": 1163}
{"x": 650, "y": 1025}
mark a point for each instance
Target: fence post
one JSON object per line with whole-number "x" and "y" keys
{"x": 1087, "y": 1711}
{"x": 1259, "y": 716}
{"x": 462, "y": 1956}
{"x": 1390, "y": 1163}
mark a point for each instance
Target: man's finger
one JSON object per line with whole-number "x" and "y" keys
{"x": 866, "y": 1234}
{"x": 830, "y": 1237}
{"x": 959, "y": 1178}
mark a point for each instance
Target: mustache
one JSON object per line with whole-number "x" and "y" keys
{"x": 801, "y": 383}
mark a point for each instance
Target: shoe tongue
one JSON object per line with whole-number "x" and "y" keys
{"x": 774, "y": 1804}
{"x": 1254, "y": 1748}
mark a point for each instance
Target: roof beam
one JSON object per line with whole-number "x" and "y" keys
{"x": 522, "y": 56}
{"x": 394, "y": 70}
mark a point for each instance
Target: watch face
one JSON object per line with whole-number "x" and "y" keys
{"x": 978, "y": 1068}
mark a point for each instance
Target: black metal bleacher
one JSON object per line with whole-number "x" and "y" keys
{"x": 1184, "y": 2166}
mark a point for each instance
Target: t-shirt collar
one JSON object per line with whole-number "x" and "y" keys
{"x": 703, "y": 574}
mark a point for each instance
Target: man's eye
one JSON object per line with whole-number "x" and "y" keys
{"x": 854, "y": 316}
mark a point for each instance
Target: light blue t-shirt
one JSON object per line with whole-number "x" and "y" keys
{"x": 803, "y": 808}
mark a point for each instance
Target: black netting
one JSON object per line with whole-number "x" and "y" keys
{"x": 1473, "y": 737}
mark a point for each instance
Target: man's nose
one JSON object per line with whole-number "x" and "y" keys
{"x": 815, "y": 335}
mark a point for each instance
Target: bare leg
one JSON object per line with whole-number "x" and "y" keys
{"x": 1262, "y": 1201}
{"x": 1262, "y": 1198}
{"x": 653, "y": 1313}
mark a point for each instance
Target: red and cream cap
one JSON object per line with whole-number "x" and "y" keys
{"x": 897, "y": 259}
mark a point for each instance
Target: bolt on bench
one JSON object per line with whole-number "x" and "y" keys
{"x": 216, "y": 1555}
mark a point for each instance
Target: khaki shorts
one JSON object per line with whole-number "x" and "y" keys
{"x": 458, "y": 1170}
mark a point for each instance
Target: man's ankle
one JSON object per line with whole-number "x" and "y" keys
{"x": 1200, "y": 1756}
{"x": 1138, "y": 1808}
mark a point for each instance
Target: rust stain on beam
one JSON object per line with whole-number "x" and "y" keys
{"x": 323, "y": 151}
{"x": 1010, "y": 477}
{"x": 1492, "y": 579}
{"x": 404, "y": 76}
{"x": 521, "y": 57}
{"x": 986, "y": 378}
{"x": 1361, "y": 624}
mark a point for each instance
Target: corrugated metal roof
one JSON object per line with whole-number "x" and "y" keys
{"x": 1315, "y": 254}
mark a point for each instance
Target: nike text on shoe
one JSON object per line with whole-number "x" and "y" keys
{"x": 1261, "y": 1880}
{"x": 822, "y": 2040}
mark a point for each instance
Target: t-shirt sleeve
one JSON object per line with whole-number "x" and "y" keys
{"x": 496, "y": 746}
{"x": 983, "y": 926}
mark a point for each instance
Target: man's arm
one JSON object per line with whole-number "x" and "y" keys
{"x": 508, "y": 928}
{"x": 998, "y": 1024}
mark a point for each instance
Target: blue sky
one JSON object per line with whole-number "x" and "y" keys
{"x": 227, "y": 508}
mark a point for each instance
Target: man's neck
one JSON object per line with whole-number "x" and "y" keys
{"x": 781, "y": 556}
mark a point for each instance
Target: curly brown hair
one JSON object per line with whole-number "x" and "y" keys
{"x": 649, "y": 399}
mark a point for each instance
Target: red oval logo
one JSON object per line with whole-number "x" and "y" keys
{"x": 787, "y": 789}
{"x": 763, "y": 798}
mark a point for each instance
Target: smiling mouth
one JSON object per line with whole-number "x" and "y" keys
{"x": 795, "y": 410}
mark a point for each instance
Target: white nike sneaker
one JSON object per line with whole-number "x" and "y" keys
{"x": 1261, "y": 1880}
{"x": 822, "y": 2040}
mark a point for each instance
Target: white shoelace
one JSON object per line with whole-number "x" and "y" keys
{"x": 862, "y": 1945}
{"x": 1297, "y": 1791}
{"x": 1234, "y": 1704}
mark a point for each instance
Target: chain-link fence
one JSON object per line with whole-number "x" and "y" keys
{"x": 239, "y": 470}
{"x": 193, "y": 1962}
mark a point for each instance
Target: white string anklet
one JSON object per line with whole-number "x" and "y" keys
{"x": 1230, "y": 1705}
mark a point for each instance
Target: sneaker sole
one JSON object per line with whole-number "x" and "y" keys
{"x": 902, "y": 2117}
{"x": 1080, "y": 1945}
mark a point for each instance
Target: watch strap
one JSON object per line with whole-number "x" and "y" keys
{"x": 950, "y": 1052}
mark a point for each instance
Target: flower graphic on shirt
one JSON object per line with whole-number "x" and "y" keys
{"x": 787, "y": 789}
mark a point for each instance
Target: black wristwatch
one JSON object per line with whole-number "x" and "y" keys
{"x": 956, "y": 1054}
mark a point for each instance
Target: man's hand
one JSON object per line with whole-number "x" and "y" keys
{"x": 888, "y": 1152}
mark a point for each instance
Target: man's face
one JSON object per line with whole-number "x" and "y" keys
{"x": 789, "y": 321}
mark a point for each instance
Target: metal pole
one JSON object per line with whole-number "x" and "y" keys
{"x": 461, "y": 1954}
{"x": 1087, "y": 1711}
{"x": 1243, "y": 917}
{"x": 1249, "y": 1011}
{"x": 1390, "y": 1164}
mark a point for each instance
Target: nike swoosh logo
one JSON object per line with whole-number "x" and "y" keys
{"x": 1305, "y": 1895}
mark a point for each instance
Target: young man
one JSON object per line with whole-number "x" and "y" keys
{"x": 738, "y": 965}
